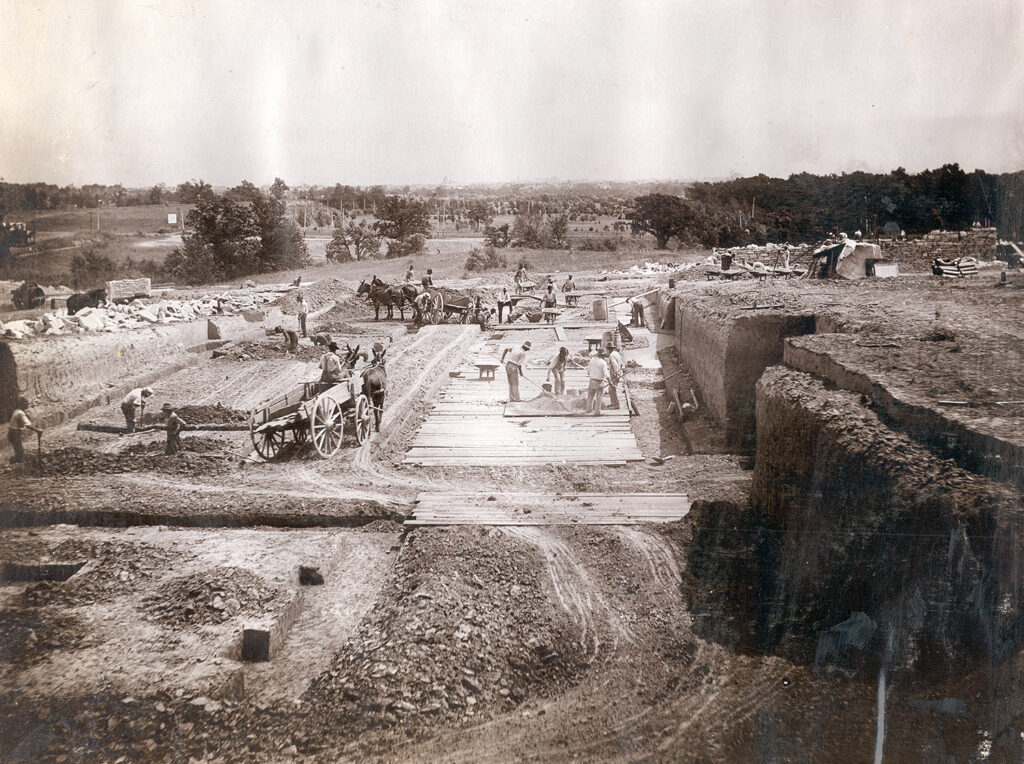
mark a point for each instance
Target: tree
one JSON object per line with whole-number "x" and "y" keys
{"x": 497, "y": 236}
{"x": 559, "y": 227}
{"x": 281, "y": 242}
{"x": 156, "y": 194}
{"x": 191, "y": 192}
{"x": 400, "y": 218}
{"x": 662, "y": 215}
{"x": 245, "y": 192}
{"x": 355, "y": 242}
{"x": 277, "y": 188}
{"x": 479, "y": 213}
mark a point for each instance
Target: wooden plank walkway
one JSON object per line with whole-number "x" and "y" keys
{"x": 468, "y": 425}
{"x": 468, "y": 508}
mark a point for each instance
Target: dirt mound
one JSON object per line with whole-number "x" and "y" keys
{"x": 338, "y": 319}
{"x": 199, "y": 456}
{"x": 316, "y": 294}
{"x": 28, "y": 635}
{"x": 273, "y": 348}
{"x": 217, "y": 414}
{"x": 462, "y": 628}
{"x": 212, "y": 596}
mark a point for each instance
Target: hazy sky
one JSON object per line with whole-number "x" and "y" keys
{"x": 418, "y": 90}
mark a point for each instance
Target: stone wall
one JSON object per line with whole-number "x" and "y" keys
{"x": 917, "y": 253}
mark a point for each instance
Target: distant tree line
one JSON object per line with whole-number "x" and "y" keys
{"x": 806, "y": 208}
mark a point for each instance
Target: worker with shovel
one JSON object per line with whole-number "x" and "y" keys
{"x": 514, "y": 369}
{"x": 16, "y": 428}
{"x": 175, "y": 424}
{"x": 136, "y": 397}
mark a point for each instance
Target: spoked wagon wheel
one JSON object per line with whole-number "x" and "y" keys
{"x": 363, "y": 419}
{"x": 268, "y": 443}
{"x": 326, "y": 427}
{"x": 437, "y": 311}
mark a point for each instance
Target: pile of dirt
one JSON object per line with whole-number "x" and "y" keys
{"x": 28, "y": 635}
{"x": 548, "y": 404}
{"x": 317, "y": 294}
{"x": 338, "y": 320}
{"x": 218, "y": 414}
{"x": 461, "y": 628}
{"x": 198, "y": 456}
{"x": 114, "y": 568}
{"x": 212, "y": 596}
{"x": 273, "y": 348}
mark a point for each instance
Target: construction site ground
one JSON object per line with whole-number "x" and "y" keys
{"x": 458, "y": 643}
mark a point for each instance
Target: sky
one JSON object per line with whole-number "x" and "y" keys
{"x": 418, "y": 91}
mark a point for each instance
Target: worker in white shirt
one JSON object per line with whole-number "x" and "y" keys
{"x": 136, "y": 397}
{"x": 16, "y": 430}
{"x": 614, "y": 374}
{"x": 514, "y": 369}
{"x": 330, "y": 365}
{"x": 597, "y": 374}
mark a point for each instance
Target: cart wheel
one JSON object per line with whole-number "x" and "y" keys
{"x": 268, "y": 444}
{"x": 326, "y": 426}
{"x": 435, "y": 316}
{"x": 363, "y": 419}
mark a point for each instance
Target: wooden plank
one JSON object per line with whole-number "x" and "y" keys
{"x": 560, "y": 334}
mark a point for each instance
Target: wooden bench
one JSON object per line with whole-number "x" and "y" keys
{"x": 486, "y": 369}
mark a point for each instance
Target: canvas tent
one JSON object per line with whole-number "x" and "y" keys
{"x": 848, "y": 259}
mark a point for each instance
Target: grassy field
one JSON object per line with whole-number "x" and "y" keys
{"x": 141, "y": 219}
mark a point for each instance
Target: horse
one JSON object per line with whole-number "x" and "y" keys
{"x": 77, "y": 302}
{"x": 375, "y": 383}
{"x": 383, "y": 294}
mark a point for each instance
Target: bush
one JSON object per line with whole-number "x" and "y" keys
{"x": 410, "y": 245}
{"x": 485, "y": 259}
{"x": 90, "y": 269}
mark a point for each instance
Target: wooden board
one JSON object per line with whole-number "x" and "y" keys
{"x": 499, "y": 508}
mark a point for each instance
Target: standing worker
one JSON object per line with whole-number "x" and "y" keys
{"x": 557, "y": 368}
{"x": 408, "y": 275}
{"x": 569, "y": 285}
{"x": 16, "y": 429}
{"x": 614, "y": 374}
{"x": 175, "y": 424}
{"x": 514, "y": 369}
{"x": 303, "y": 308}
{"x": 520, "y": 278}
{"x": 428, "y": 280}
{"x": 504, "y": 303}
{"x": 597, "y": 374}
{"x": 136, "y": 397}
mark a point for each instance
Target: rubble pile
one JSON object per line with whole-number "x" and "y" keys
{"x": 111, "y": 317}
{"x": 115, "y": 568}
{"x": 463, "y": 628}
{"x": 193, "y": 415}
{"x": 198, "y": 456}
{"x": 212, "y": 596}
{"x": 28, "y": 635}
{"x": 269, "y": 350}
{"x": 316, "y": 294}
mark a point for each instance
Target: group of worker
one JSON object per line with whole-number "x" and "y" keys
{"x": 20, "y": 423}
{"x": 604, "y": 371}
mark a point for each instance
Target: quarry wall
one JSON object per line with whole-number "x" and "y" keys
{"x": 66, "y": 375}
{"x": 872, "y": 522}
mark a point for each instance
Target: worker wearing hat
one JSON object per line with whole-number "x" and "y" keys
{"x": 330, "y": 365}
{"x": 291, "y": 338}
{"x": 136, "y": 397}
{"x": 514, "y": 369}
{"x": 597, "y": 374}
{"x": 428, "y": 279}
{"x": 16, "y": 429}
{"x": 175, "y": 424}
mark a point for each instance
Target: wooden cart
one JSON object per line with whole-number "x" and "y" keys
{"x": 315, "y": 412}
